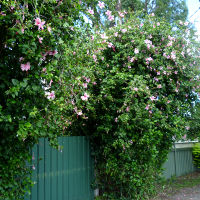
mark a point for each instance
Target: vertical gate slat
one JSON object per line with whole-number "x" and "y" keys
{"x": 47, "y": 160}
{"x": 81, "y": 164}
{"x": 34, "y": 191}
{"x": 70, "y": 167}
{"x": 54, "y": 174}
{"x": 60, "y": 171}
{"x": 41, "y": 171}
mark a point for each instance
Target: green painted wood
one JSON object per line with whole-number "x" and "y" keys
{"x": 62, "y": 175}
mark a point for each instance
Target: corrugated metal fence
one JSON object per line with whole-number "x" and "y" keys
{"x": 65, "y": 175}
{"x": 179, "y": 162}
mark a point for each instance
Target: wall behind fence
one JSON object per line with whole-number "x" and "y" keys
{"x": 65, "y": 175}
{"x": 179, "y": 162}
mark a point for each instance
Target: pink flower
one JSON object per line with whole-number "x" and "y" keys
{"x": 101, "y": 4}
{"x": 50, "y": 83}
{"x": 91, "y": 11}
{"x": 136, "y": 51}
{"x": 22, "y": 30}
{"x": 94, "y": 57}
{"x": 44, "y": 69}
{"x": 132, "y": 59}
{"x": 158, "y": 23}
{"x": 185, "y": 136}
{"x": 85, "y": 85}
{"x": 79, "y": 112}
{"x": 40, "y": 39}
{"x": 149, "y": 59}
{"x": 116, "y": 34}
{"x": 108, "y": 12}
{"x": 103, "y": 36}
{"x": 49, "y": 29}
{"x": 148, "y": 41}
{"x": 123, "y": 30}
{"x": 187, "y": 128}
{"x": 110, "y": 44}
{"x": 39, "y": 23}
{"x": 121, "y": 14}
{"x": 85, "y": 97}
{"x": 147, "y": 107}
{"x": 153, "y": 98}
{"x": 21, "y": 59}
{"x": 128, "y": 109}
{"x": 25, "y": 67}
{"x": 50, "y": 95}
{"x": 111, "y": 18}
{"x": 159, "y": 86}
{"x": 173, "y": 55}
{"x": 152, "y": 14}
{"x": 87, "y": 80}
{"x": 169, "y": 44}
{"x": 156, "y": 79}
{"x": 136, "y": 89}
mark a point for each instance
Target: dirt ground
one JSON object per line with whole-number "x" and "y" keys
{"x": 181, "y": 188}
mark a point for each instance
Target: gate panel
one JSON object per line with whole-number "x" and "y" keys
{"x": 65, "y": 175}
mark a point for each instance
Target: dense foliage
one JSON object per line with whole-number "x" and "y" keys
{"x": 35, "y": 38}
{"x": 196, "y": 154}
{"x": 145, "y": 80}
{"x": 129, "y": 89}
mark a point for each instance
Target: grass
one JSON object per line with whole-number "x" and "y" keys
{"x": 175, "y": 184}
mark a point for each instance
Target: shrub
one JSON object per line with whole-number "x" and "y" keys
{"x": 196, "y": 154}
{"x": 145, "y": 80}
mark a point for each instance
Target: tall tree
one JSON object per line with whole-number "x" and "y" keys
{"x": 171, "y": 10}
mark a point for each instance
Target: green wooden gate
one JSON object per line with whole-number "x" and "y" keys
{"x": 65, "y": 175}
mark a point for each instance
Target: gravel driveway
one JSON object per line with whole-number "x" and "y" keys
{"x": 186, "y": 194}
{"x": 182, "y": 188}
